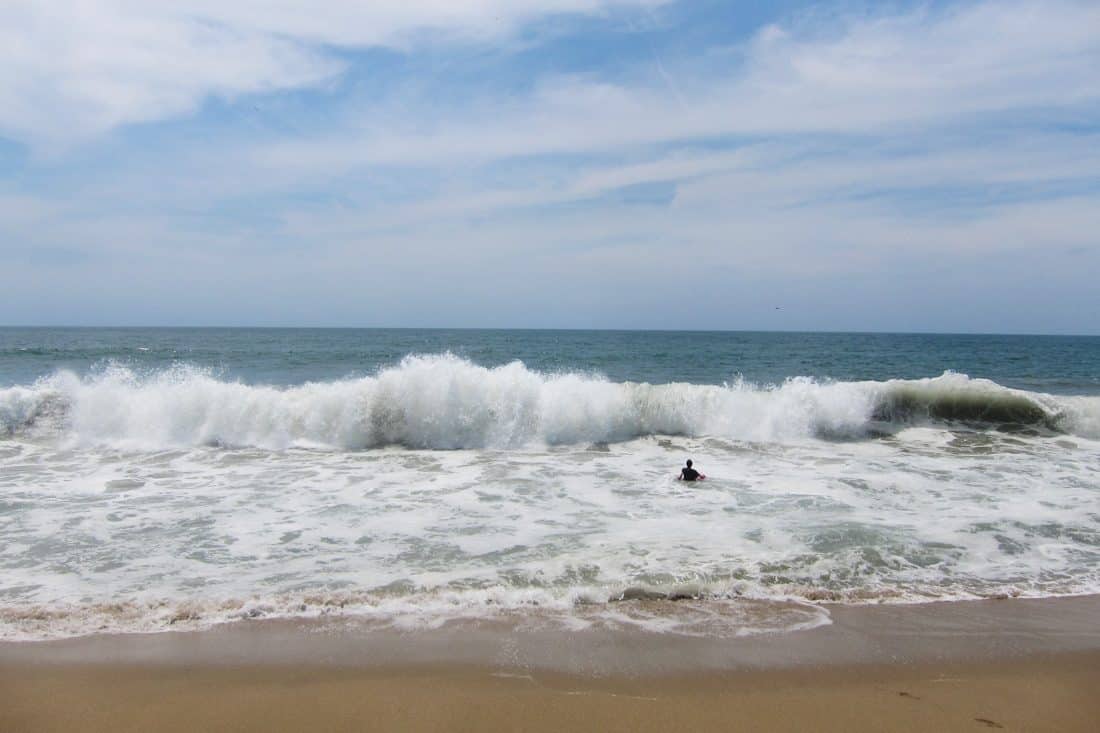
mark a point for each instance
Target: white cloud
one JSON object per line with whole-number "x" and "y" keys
{"x": 865, "y": 74}
{"x": 754, "y": 179}
{"x": 70, "y": 69}
{"x": 392, "y": 23}
{"x": 852, "y": 135}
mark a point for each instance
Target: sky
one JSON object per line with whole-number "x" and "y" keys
{"x": 884, "y": 166}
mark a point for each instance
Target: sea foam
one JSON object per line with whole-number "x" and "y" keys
{"x": 445, "y": 402}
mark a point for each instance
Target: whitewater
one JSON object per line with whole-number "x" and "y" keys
{"x": 444, "y": 402}
{"x": 137, "y": 497}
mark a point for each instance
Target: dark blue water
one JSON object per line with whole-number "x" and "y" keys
{"x": 1054, "y": 364}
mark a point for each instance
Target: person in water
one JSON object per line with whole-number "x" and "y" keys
{"x": 687, "y": 473}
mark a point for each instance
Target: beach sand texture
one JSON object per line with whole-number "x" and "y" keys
{"x": 1055, "y": 694}
{"x": 1001, "y": 665}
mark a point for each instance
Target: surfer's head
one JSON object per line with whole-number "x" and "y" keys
{"x": 689, "y": 463}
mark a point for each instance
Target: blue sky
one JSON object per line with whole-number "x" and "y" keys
{"x": 552, "y": 163}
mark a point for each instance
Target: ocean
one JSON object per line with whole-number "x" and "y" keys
{"x": 164, "y": 479}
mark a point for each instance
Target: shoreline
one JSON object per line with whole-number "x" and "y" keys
{"x": 942, "y": 631}
{"x": 969, "y": 665}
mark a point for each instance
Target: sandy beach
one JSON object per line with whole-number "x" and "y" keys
{"x": 1012, "y": 665}
{"x": 1051, "y": 694}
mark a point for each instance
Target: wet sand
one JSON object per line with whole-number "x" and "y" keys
{"x": 1012, "y": 665}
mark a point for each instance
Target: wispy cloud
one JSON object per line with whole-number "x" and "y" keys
{"x": 860, "y": 75}
{"x": 73, "y": 70}
{"x": 913, "y": 167}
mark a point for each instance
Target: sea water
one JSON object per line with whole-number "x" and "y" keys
{"x": 155, "y": 479}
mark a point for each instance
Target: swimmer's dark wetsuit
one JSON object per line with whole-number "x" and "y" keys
{"x": 688, "y": 474}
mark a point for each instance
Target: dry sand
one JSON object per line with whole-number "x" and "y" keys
{"x": 1010, "y": 665}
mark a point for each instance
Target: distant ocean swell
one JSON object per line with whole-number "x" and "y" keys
{"x": 445, "y": 402}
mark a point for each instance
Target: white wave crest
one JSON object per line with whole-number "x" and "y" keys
{"x": 445, "y": 402}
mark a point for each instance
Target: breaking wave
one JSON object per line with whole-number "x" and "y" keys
{"x": 445, "y": 402}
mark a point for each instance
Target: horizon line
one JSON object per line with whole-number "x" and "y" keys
{"x": 552, "y": 328}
